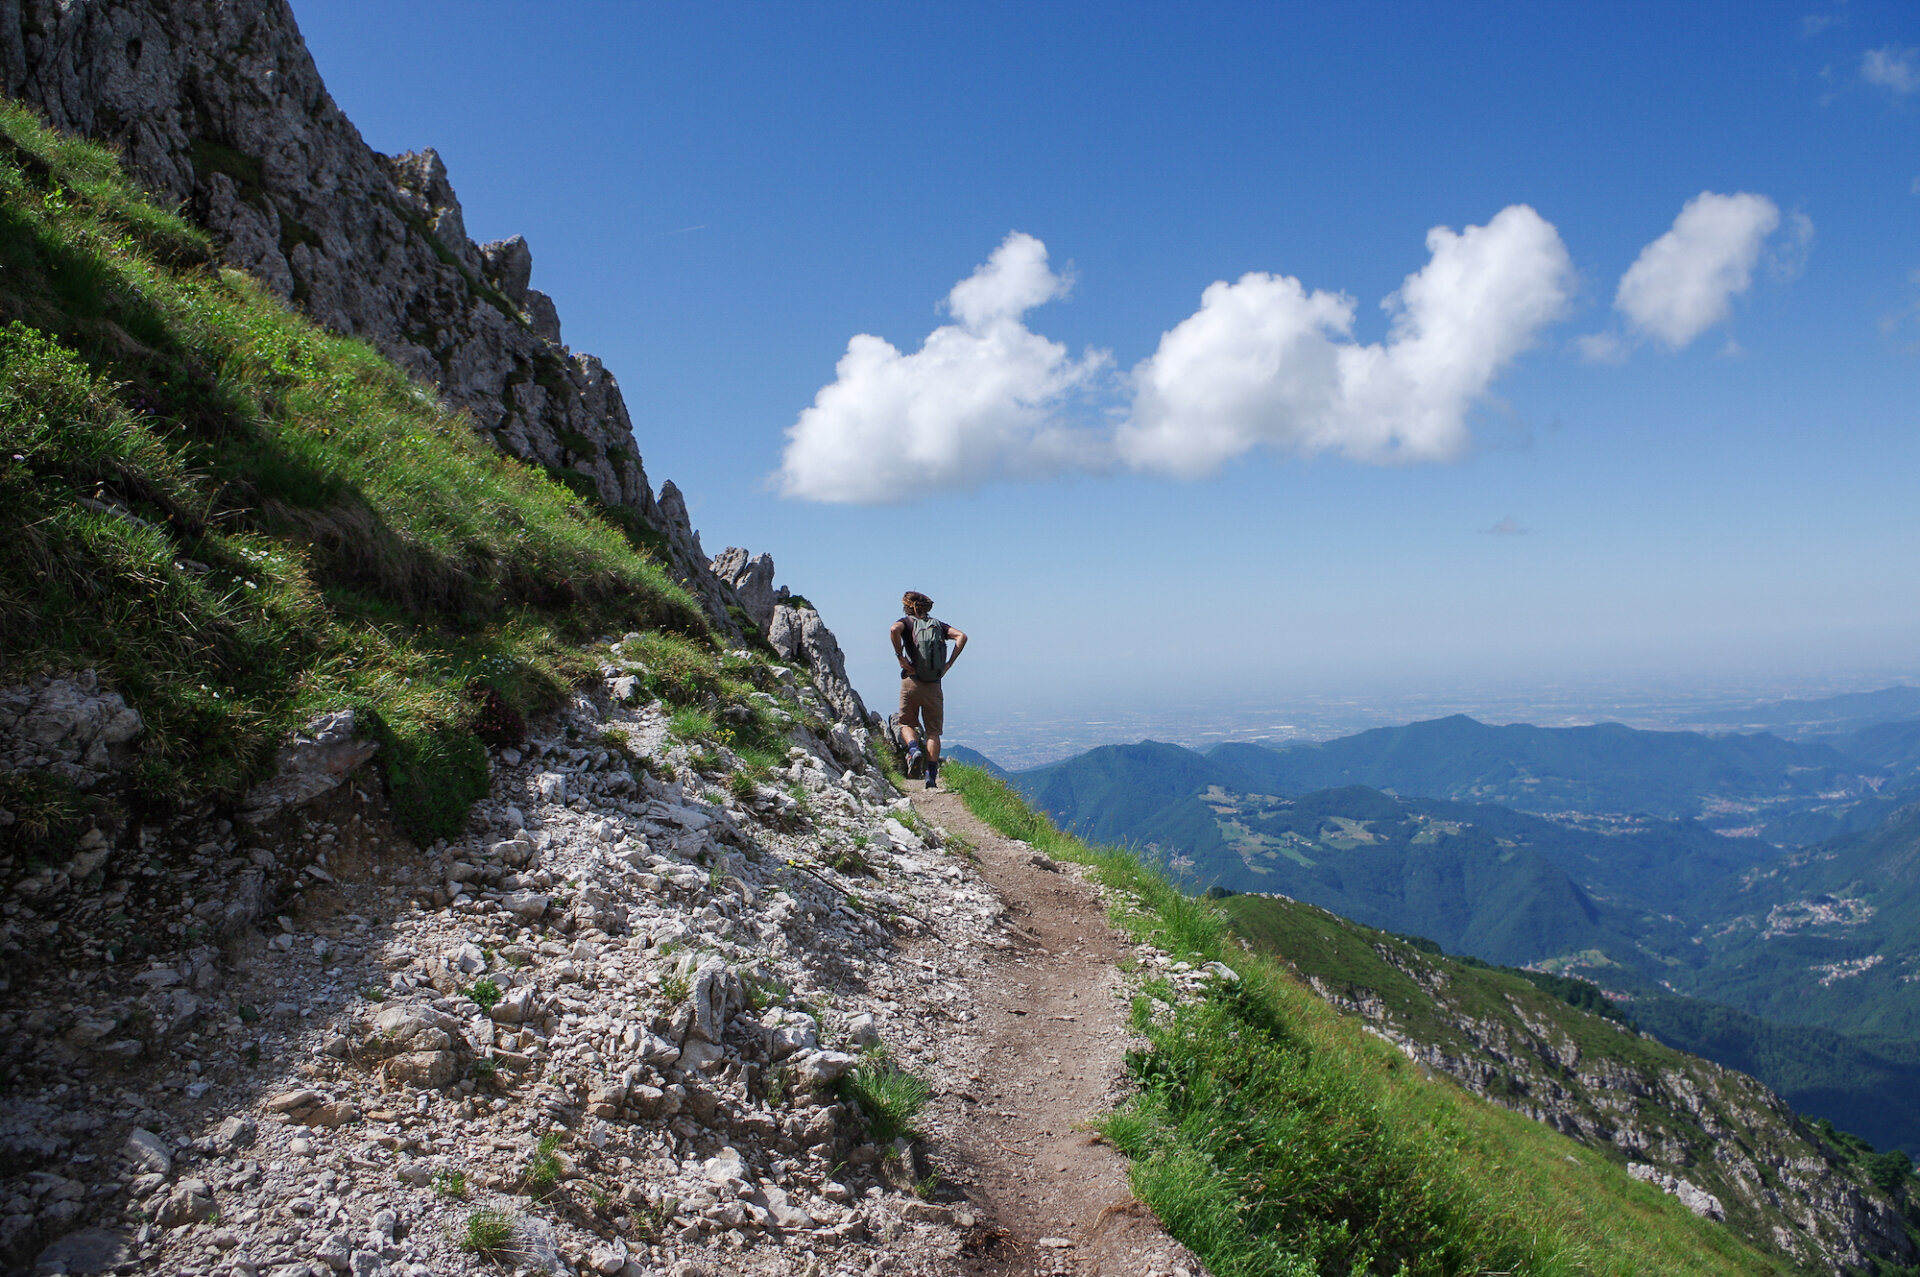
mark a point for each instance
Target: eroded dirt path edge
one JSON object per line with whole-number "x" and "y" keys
{"x": 1044, "y": 1057}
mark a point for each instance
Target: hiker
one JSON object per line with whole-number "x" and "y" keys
{"x": 920, "y": 645}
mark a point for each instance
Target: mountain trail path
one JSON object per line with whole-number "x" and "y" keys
{"x": 1043, "y": 1057}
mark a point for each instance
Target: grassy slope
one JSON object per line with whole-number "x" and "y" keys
{"x": 1274, "y": 1136}
{"x": 1432, "y": 999}
{"x": 240, "y": 519}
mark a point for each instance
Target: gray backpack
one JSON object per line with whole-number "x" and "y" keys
{"x": 926, "y": 647}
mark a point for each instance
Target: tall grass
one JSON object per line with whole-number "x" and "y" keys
{"x": 240, "y": 519}
{"x": 1273, "y": 1135}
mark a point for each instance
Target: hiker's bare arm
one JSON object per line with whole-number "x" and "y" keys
{"x": 959, "y": 641}
{"x": 899, "y": 636}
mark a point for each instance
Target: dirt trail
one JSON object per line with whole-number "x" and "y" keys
{"x": 1045, "y": 1055}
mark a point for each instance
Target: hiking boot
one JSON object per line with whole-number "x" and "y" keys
{"x": 916, "y": 761}
{"x": 933, "y": 775}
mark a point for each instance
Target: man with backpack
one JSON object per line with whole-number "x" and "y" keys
{"x": 920, "y": 645}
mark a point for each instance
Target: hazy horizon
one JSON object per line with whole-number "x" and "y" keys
{"x": 1019, "y": 735}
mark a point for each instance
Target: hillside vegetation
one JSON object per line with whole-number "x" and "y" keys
{"x": 1274, "y": 1135}
{"x": 239, "y": 519}
{"x": 1557, "y": 1050}
{"x": 1828, "y": 936}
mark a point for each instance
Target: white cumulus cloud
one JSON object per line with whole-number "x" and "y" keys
{"x": 1684, "y": 282}
{"x": 1892, "y": 68}
{"x": 976, "y": 401}
{"x": 1264, "y": 362}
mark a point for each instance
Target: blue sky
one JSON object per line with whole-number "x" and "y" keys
{"x": 720, "y": 197}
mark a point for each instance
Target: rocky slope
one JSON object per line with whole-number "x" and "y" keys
{"x": 1719, "y": 1140}
{"x": 613, "y": 1015}
{"x": 219, "y": 106}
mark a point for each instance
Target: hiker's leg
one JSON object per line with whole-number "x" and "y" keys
{"x": 933, "y": 717}
{"x": 909, "y": 720}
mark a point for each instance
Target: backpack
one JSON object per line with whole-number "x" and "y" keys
{"x": 926, "y": 647}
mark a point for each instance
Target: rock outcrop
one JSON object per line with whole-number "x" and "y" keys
{"x": 793, "y": 628}
{"x": 314, "y": 762}
{"x": 752, "y": 579}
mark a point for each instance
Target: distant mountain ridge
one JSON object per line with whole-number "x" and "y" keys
{"x": 1607, "y": 767}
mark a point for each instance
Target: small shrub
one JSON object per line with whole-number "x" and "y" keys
{"x": 742, "y": 786}
{"x": 1889, "y": 1170}
{"x": 449, "y": 1184}
{"x": 675, "y": 988}
{"x": 485, "y": 992}
{"x": 487, "y": 1232}
{"x": 483, "y": 1069}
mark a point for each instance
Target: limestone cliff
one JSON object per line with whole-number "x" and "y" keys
{"x": 219, "y": 106}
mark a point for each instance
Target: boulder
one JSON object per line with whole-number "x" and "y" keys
{"x": 190, "y": 1202}
{"x": 233, "y": 1134}
{"x": 91, "y": 1250}
{"x": 426, "y": 1070}
{"x": 412, "y": 1028}
{"x": 68, "y": 725}
{"x": 148, "y": 1152}
{"x": 316, "y": 760}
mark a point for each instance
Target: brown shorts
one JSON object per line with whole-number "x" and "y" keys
{"x": 923, "y": 706}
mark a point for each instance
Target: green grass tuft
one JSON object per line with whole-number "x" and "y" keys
{"x": 542, "y": 1173}
{"x": 889, "y": 1098}
{"x": 487, "y": 1231}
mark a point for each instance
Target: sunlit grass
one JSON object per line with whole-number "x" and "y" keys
{"x": 240, "y": 519}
